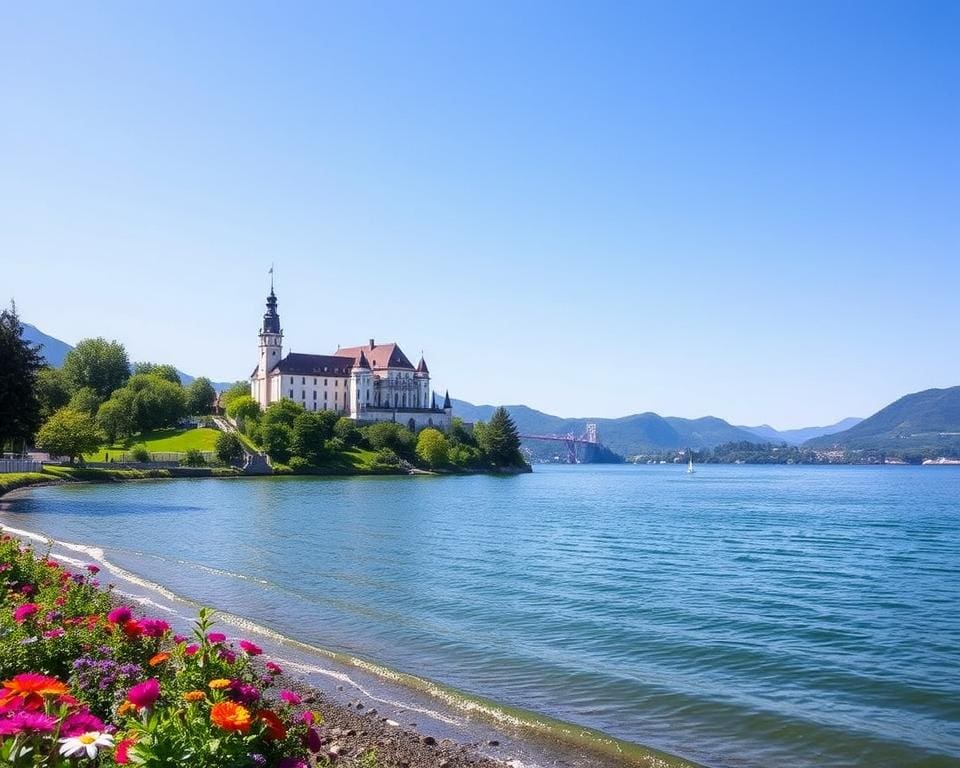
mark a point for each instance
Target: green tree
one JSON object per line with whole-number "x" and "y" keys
{"x": 387, "y": 434}
{"x": 432, "y": 448}
{"x": 20, "y": 365}
{"x": 69, "y": 433}
{"x": 200, "y": 396}
{"x": 53, "y": 389}
{"x": 309, "y": 438}
{"x": 282, "y": 412}
{"x": 228, "y": 448}
{"x": 243, "y": 408}
{"x": 116, "y": 418}
{"x": 163, "y": 370}
{"x": 157, "y": 402}
{"x": 459, "y": 434}
{"x": 85, "y": 400}
{"x": 346, "y": 430}
{"x": 275, "y": 439}
{"x": 99, "y": 364}
{"x": 237, "y": 389}
{"x": 501, "y": 440}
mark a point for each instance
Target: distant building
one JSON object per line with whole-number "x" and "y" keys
{"x": 373, "y": 382}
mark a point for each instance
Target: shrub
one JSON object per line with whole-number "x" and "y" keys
{"x": 140, "y": 453}
{"x": 194, "y": 458}
{"x": 432, "y": 448}
{"x": 299, "y": 464}
{"x": 228, "y": 448}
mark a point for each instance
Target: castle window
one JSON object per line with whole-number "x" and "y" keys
{"x": 314, "y": 397}
{"x": 291, "y": 379}
{"x": 324, "y": 382}
{"x": 314, "y": 381}
{"x": 291, "y": 394}
{"x": 303, "y": 380}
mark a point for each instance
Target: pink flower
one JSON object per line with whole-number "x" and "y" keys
{"x": 121, "y": 755}
{"x": 216, "y": 637}
{"x": 273, "y": 669}
{"x": 291, "y": 698}
{"x": 314, "y": 744}
{"x": 250, "y": 649}
{"x": 23, "y": 612}
{"x": 94, "y": 569}
{"x": 154, "y": 627}
{"x": 228, "y": 655}
{"x": 120, "y": 615}
{"x": 81, "y": 722}
{"x": 191, "y": 649}
{"x": 179, "y": 639}
{"x": 53, "y": 634}
{"x": 27, "y": 589}
{"x": 26, "y": 721}
{"x": 291, "y": 762}
{"x": 144, "y": 694}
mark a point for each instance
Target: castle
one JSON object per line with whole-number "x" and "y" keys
{"x": 373, "y": 382}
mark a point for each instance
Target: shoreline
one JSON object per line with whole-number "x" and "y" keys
{"x": 412, "y": 722}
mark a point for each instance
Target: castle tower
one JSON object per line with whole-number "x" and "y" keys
{"x": 422, "y": 377}
{"x": 271, "y": 351}
{"x": 361, "y": 387}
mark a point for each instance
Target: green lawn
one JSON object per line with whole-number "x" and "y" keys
{"x": 162, "y": 441}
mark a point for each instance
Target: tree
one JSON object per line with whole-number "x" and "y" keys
{"x": 282, "y": 412}
{"x": 387, "y": 434}
{"x": 157, "y": 402}
{"x": 200, "y": 396}
{"x": 20, "y": 364}
{"x": 243, "y": 408}
{"x": 309, "y": 438}
{"x": 69, "y": 433}
{"x": 163, "y": 370}
{"x": 237, "y": 389}
{"x": 432, "y": 448}
{"x": 116, "y": 417}
{"x": 228, "y": 448}
{"x": 275, "y": 438}
{"x": 346, "y": 430}
{"x": 86, "y": 401}
{"x": 53, "y": 389}
{"x": 99, "y": 364}
{"x": 501, "y": 440}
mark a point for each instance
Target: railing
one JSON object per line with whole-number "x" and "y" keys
{"x": 20, "y": 465}
{"x": 127, "y": 457}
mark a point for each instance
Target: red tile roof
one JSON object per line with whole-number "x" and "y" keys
{"x": 380, "y": 356}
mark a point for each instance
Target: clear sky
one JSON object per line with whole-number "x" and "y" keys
{"x": 749, "y": 210}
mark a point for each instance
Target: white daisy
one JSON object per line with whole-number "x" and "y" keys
{"x": 88, "y": 742}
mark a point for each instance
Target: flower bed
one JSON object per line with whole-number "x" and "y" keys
{"x": 88, "y": 682}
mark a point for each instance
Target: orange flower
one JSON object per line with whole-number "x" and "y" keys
{"x": 158, "y": 658}
{"x": 31, "y": 688}
{"x": 219, "y": 684}
{"x": 275, "y": 728}
{"x": 127, "y": 706}
{"x": 230, "y": 716}
{"x": 194, "y": 696}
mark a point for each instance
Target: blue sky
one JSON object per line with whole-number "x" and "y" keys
{"x": 750, "y": 210}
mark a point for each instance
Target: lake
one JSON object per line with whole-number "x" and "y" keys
{"x": 742, "y": 616}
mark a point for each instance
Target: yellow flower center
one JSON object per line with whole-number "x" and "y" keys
{"x": 87, "y": 739}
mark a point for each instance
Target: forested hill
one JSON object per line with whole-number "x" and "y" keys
{"x": 627, "y": 435}
{"x": 927, "y": 419}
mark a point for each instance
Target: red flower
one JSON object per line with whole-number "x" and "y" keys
{"x": 273, "y": 669}
{"x": 121, "y": 755}
{"x": 145, "y": 694}
{"x": 249, "y": 648}
{"x": 119, "y": 615}
{"x": 275, "y": 727}
{"x": 132, "y": 628}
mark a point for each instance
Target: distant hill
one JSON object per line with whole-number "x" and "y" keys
{"x": 922, "y": 420}
{"x": 638, "y": 433}
{"x": 800, "y": 436}
{"x": 54, "y": 351}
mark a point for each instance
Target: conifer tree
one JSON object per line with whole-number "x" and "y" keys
{"x": 501, "y": 440}
{"x": 20, "y": 363}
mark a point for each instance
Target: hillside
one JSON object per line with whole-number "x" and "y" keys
{"x": 800, "y": 436}
{"x": 54, "y": 351}
{"x": 923, "y": 420}
{"x": 638, "y": 433}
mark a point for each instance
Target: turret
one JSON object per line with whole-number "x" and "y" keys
{"x": 271, "y": 350}
{"x": 422, "y": 377}
{"x": 447, "y": 407}
{"x": 361, "y": 382}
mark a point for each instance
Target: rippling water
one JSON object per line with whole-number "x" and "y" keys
{"x": 742, "y": 616}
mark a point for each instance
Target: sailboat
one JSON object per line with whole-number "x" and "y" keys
{"x": 690, "y": 469}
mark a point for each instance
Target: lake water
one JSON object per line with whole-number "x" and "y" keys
{"x": 741, "y": 616}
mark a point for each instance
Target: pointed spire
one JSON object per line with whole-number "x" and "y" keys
{"x": 422, "y": 365}
{"x": 433, "y": 400}
{"x": 362, "y": 362}
{"x": 446, "y": 401}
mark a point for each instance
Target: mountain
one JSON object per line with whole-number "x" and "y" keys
{"x": 923, "y": 420}
{"x": 638, "y": 433}
{"x": 54, "y": 351}
{"x": 800, "y": 436}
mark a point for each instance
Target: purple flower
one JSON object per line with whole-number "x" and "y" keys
{"x": 243, "y": 693}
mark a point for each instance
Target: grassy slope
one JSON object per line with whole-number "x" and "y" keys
{"x": 163, "y": 441}
{"x": 12, "y": 481}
